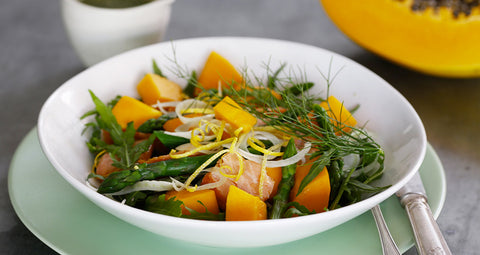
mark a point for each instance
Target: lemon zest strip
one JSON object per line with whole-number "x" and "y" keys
{"x": 240, "y": 158}
{"x": 201, "y": 148}
{"x": 196, "y": 139}
{"x": 238, "y": 131}
{"x": 263, "y": 171}
{"x": 225, "y": 174}
{"x": 201, "y": 168}
{"x": 95, "y": 161}
{"x": 240, "y": 163}
{"x": 220, "y": 131}
{"x": 263, "y": 175}
{"x": 251, "y": 142}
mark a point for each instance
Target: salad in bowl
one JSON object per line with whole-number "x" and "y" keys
{"x": 232, "y": 141}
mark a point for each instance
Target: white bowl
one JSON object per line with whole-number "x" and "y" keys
{"x": 387, "y": 113}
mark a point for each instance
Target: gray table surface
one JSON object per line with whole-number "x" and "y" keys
{"x": 36, "y": 58}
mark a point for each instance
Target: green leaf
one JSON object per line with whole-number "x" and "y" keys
{"x": 158, "y": 204}
{"x": 108, "y": 120}
{"x": 140, "y": 148}
{"x": 316, "y": 168}
{"x": 299, "y": 88}
{"x": 207, "y": 215}
{"x": 123, "y": 151}
{"x": 135, "y": 198}
{"x": 156, "y": 69}
{"x": 365, "y": 187}
{"x": 191, "y": 85}
{"x": 294, "y": 208}
{"x": 272, "y": 79}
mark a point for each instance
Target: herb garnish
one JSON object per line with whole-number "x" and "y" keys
{"x": 298, "y": 114}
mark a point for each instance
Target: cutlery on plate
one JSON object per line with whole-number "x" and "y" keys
{"x": 428, "y": 237}
{"x": 388, "y": 244}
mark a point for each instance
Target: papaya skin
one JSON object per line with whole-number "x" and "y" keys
{"x": 431, "y": 42}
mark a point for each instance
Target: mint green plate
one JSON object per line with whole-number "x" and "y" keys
{"x": 70, "y": 224}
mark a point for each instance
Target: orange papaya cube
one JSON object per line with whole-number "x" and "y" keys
{"x": 316, "y": 194}
{"x": 195, "y": 199}
{"x": 218, "y": 69}
{"x": 244, "y": 206}
{"x": 276, "y": 174}
{"x": 229, "y": 111}
{"x": 129, "y": 109}
{"x": 171, "y": 124}
{"x": 337, "y": 111}
{"x": 153, "y": 88}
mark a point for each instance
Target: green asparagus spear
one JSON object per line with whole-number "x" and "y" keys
{"x": 286, "y": 184}
{"x": 174, "y": 167}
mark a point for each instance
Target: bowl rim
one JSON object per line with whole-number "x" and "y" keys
{"x": 363, "y": 205}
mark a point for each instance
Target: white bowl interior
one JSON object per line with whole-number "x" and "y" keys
{"x": 384, "y": 111}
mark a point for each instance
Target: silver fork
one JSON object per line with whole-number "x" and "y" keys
{"x": 388, "y": 244}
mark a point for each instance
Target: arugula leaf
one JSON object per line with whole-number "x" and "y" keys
{"x": 135, "y": 198}
{"x": 107, "y": 120}
{"x": 123, "y": 151}
{"x": 93, "y": 143}
{"x": 158, "y": 204}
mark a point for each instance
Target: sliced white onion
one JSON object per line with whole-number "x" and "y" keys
{"x": 160, "y": 105}
{"x": 145, "y": 185}
{"x": 187, "y": 135}
{"x": 184, "y": 130}
{"x": 186, "y": 127}
{"x": 254, "y": 157}
{"x": 261, "y": 135}
{"x": 192, "y": 103}
{"x": 279, "y": 163}
{"x": 291, "y": 160}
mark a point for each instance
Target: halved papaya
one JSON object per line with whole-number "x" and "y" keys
{"x": 422, "y": 35}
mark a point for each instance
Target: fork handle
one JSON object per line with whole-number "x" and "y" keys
{"x": 428, "y": 237}
{"x": 388, "y": 244}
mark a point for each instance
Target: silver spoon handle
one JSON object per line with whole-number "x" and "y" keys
{"x": 428, "y": 237}
{"x": 388, "y": 245}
